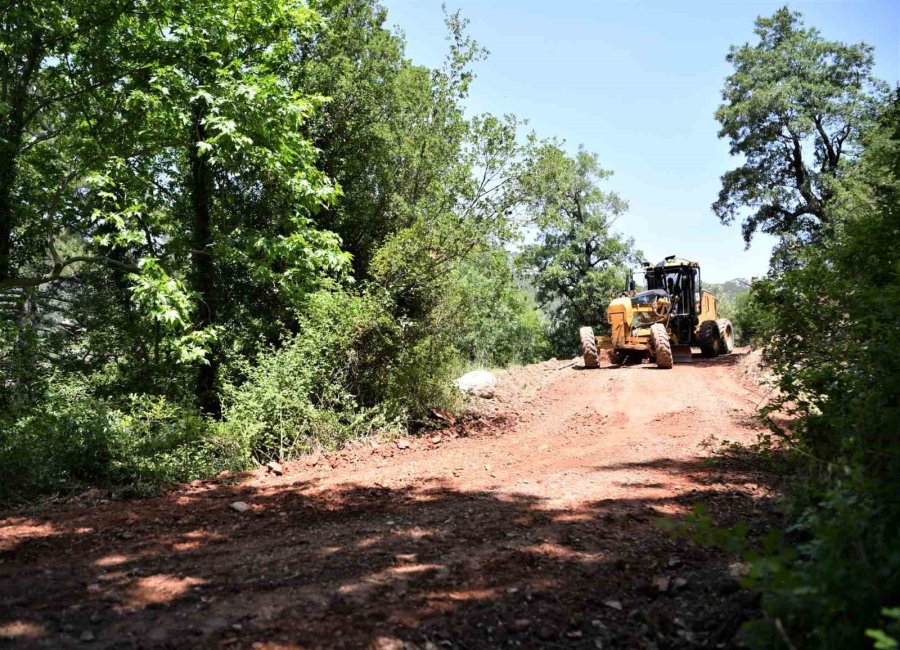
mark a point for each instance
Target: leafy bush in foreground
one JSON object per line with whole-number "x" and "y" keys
{"x": 828, "y": 312}
{"x": 833, "y": 340}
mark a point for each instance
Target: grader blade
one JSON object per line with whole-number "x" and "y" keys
{"x": 682, "y": 353}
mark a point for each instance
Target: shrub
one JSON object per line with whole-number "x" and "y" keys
{"x": 832, "y": 337}
{"x": 488, "y": 319}
{"x": 301, "y": 396}
{"x": 73, "y": 438}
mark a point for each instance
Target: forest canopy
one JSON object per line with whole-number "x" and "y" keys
{"x": 236, "y": 230}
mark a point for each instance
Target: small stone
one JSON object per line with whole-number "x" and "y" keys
{"x": 196, "y": 483}
{"x": 87, "y": 636}
{"x": 406, "y": 558}
{"x": 679, "y": 583}
{"x": 519, "y": 625}
{"x": 386, "y": 643}
{"x": 661, "y": 583}
{"x": 436, "y": 440}
{"x": 738, "y": 570}
{"x": 440, "y": 414}
{"x": 403, "y": 444}
{"x": 614, "y": 604}
{"x": 240, "y": 506}
{"x": 274, "y": 468}
{"x": 574, "y": 634}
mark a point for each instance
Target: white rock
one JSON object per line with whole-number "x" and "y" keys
{"x": 240, "y": 506}
{"x": 480, "y": 383}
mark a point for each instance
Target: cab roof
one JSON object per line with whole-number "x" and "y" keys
{"x": 672, "y": 261}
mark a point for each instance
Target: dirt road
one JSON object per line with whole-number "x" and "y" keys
{"x": 537, "y": 525}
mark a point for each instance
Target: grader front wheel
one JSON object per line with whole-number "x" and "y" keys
{"x": 660, "y": 345}
{"x": 589, "y": 348}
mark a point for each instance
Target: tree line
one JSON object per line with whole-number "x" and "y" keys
{"x": 234, "y": 230}
{"x": 819, "y": 137}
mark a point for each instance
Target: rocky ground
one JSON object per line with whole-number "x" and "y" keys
{"x": 536, "y": 521}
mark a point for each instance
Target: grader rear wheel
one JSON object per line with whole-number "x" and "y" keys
{"x": 710, "y": 344}
{"x": 726, "y": 336}
{"x": 660, "y": 345}
{"x": 589, "y": 348}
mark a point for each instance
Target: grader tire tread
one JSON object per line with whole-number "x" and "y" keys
{"x": 589, "y": 348}
{"x": 726, "y": 336}
{"x": 709, "y": 338}
{"x": 661, "y": 346}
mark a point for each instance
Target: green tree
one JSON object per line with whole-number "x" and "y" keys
{"x": 187, "y": 154}
{"x": 187, "y": 202}
{"x": 794, "y": 109}
{"x": 55, "y": 59}
{"x": 578, "y": 264}
{"x": 491, "y": 320}
{"x": 832, "y": 341}
{"x": 821, "y": 172}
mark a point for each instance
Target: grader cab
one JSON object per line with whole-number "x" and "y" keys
{"x": 664, "y": 321}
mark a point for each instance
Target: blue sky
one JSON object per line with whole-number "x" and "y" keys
{"x": 637, "y": 83}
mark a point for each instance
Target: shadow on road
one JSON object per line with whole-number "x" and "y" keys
{"x": 366, "y": 566}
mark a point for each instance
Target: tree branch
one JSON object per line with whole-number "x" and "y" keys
{"x": 59, "y": 265}
{"x": 826, "y": 141}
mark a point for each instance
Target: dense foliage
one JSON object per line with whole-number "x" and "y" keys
{"x": 235, "y": 230}
{"x": 829, "y": 320}
{"x": 578, "y": 264}
{"x": 731, "y": 297}
{"x": 793, "y": 109}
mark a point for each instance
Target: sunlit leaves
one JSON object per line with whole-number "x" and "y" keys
{"x": 577, "y": 263}
{"x": 793, "y": 108}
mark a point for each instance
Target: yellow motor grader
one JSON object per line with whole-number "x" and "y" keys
{"x": 663, "y": 322}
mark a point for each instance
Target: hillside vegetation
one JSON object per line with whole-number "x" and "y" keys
{"x": 819, "y": 137}
{"x": 235, "y": 231}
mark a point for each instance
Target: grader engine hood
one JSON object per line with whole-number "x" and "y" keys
{"x": 650, "y": 307}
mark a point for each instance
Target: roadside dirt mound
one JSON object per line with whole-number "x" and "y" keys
{"x": 518, "y": 386}
{"x": 540, "y": 529}
{"x": 753, "y": 366}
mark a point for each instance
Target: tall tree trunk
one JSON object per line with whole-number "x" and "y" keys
{"x": 204, "y": 270}
{"x": 8, "y": 152}
{"x": 13, "y": 129}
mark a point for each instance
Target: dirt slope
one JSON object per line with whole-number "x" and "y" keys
{"x": 536, "y": 525}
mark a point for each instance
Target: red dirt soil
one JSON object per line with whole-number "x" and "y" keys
{"x": 535, "y": 523}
